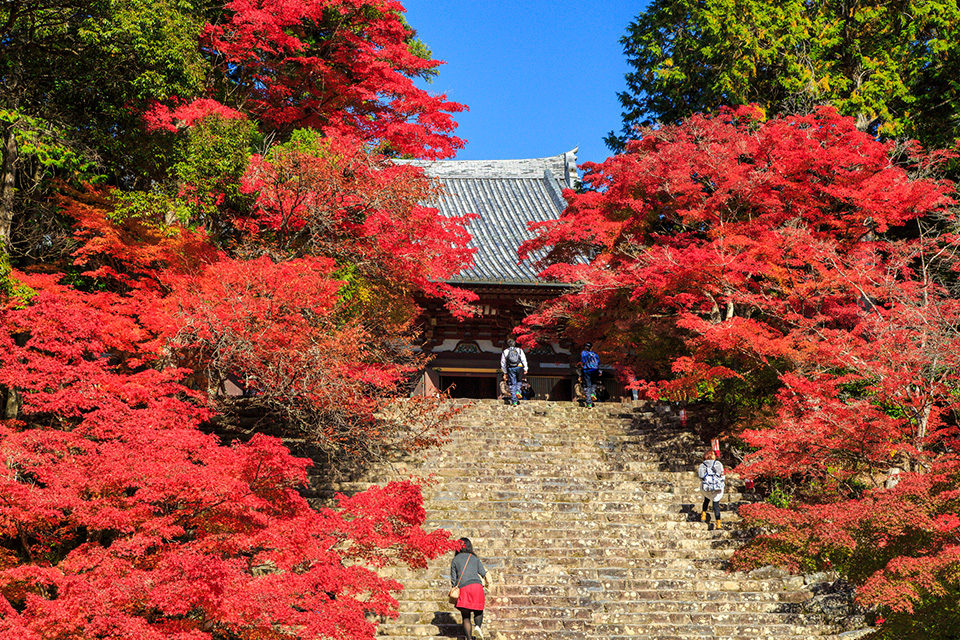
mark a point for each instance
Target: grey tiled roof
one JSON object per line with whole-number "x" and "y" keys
{"x": 507, "y": 195}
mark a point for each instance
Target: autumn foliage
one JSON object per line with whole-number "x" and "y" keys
{"x": 329, "y": 196}
{"x": 121, "y": 519}
{"x": 253, "y": 254}
{"x": 799, "y": 273}
{"x": 314, "y": 373}
{"x": 344, "y": 67}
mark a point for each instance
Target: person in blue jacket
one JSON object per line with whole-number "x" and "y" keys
{"x": 590, "y": 365}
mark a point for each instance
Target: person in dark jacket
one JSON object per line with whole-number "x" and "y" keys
{"x": 526, "y": 391}
{"x": 590, "y": 363}
{"x": 466, "y": 571}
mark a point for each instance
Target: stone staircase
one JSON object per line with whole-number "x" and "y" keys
{"x": 588, "y": 522}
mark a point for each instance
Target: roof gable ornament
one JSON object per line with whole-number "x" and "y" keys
{"x": 570, "y": 175}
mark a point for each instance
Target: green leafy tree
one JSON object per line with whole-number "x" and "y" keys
{"x": 75, "y": 77}
{"x": 83, "y": 81}
{"x": 894, "y": 66}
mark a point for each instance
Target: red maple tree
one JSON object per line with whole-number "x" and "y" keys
{"x": 120, "y": 519}
{"x": 119, "y": 516}
{"x": 328, "y": 196}
{"x": 338, "y": 66}
{"x": 791, "y": 269}
{"x": 315, "y": 330}
{"x": 317, "y": 375}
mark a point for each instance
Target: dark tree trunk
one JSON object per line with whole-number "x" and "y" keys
{"x": 8, "y": 184}
{"x": 11, "y": 408}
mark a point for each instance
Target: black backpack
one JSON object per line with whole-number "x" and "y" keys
{"x": 513, "y": 357}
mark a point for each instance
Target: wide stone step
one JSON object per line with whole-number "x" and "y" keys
{"x": 598, "y": 544}
{"x": 663, "y": 558}
{"x": 617, "y": 540}
{"x": 575, "y": 635}
{"x": 601, "y": 619}
{"x": 484, "y": 509}
{"x": 679, "y": 509}
{"x": 695, "y": 634}
{"x": 575, "y": 591}
{"x": 541, "y": 449}
{"x": 505, "y": 617}
{"x": 519, "y": 473}
{"x": 456, "y": 480}
{"x": 494, "y": 634}
{"x": 660, "y": 519}
{"x": 552, "y": 438}
{"x": 432, "y": 602}
{"x": 621, "y": 612}
{"x": 614, "y": 579}
{"x": 707, "y": 630}
{"x": 494, "y": 495}
{"x": 609, "y": 544}
{"x": 693, "y": 528}
{"x": 537, "y": 628}
{"x": 572, "y": 484}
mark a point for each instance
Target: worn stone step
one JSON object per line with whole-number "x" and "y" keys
{"x": 494, "y": 634}
{"x": 660, "y": 520}
{"x": 629, "y": 612}
{"x": 551, "y": 626}
{"x": 506, "y": 533}
{"x": 703, "y": 560}
{"x": 592, "y": 590}
{"x": 705, "y": 630}
{"x": 521, "y": 474}
{"x": 432, "y": 603}
{"x": 633, "y": 581}
{"x": 496, "y": 495}
{"x": 660, "y": 558}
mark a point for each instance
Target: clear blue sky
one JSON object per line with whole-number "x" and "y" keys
{"x": 539, "y": 77}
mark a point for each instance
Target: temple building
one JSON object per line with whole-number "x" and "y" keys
{"x": 506, "y": 195}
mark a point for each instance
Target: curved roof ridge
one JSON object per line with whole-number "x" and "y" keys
{"x": 563, "y": 165}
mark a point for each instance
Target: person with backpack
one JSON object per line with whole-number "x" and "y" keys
{"x": 712, "y": 481}
{"x": 513, "y": 363}
{"x": 590, "y": 368}
{"x": 466, "y": 573}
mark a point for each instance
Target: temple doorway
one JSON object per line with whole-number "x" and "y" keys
{"x": 475, "y": 387}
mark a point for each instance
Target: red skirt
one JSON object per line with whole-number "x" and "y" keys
{"x": 471, "y": 597}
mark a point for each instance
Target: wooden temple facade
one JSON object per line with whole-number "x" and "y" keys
{"x": 506, "y": 195}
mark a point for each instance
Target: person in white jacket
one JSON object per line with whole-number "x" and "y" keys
{"x": 712, "y": 482}
{"x": 513, "y": 363}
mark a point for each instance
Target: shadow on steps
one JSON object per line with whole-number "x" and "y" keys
{"x": 447, "y": 624}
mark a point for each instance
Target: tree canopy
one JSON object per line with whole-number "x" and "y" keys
{"x": 83, "y": 81}
{"x": 893, "y": 66}
{"x": 195, "y": 196}
{"x": 791, "y": 271}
